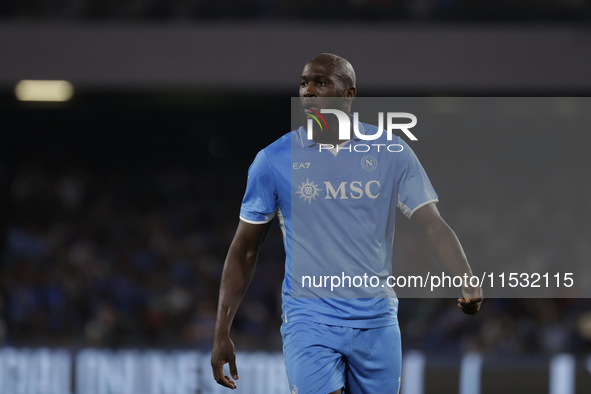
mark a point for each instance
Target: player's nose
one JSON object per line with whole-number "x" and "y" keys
{"x": 309, "y": 90}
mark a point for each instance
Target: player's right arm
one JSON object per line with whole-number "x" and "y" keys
{"x": 236, "y": 276}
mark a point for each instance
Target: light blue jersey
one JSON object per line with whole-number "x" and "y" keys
{"x": 337, "y": 213}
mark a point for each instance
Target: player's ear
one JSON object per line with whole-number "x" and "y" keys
{"x": 351, "y": 92}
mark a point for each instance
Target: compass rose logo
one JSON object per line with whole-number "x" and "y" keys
{"x": 308, "y": 191}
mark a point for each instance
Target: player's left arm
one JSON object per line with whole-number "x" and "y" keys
{"x": 446, "y": 247}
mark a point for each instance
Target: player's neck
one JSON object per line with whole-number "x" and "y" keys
{"x": 328, "y": 138}
{"x": 330, "y": 135}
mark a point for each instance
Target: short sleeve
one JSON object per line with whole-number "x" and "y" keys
{"x": 260, "y": 199}
{"x": 414, "y": 188}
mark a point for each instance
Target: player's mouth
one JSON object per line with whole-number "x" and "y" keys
{"x": 311, "y": 103}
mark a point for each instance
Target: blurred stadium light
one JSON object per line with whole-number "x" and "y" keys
{"x": 37, "y": 90}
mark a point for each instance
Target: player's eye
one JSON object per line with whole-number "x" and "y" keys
{"x": 303, "y": 83}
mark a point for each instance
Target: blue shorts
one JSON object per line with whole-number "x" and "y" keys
{"x": 320, "y": 358}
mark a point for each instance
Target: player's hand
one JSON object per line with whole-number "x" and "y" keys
{"x": 470, "y": 303}
{"x": 223, "y": 352}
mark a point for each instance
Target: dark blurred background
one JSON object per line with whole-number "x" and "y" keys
{"x": 118, "y": 206}
{"x": 393, "y": 10}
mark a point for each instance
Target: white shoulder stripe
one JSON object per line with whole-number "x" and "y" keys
{"x": 408, "y": 212}
{"x": 268, "y": 218}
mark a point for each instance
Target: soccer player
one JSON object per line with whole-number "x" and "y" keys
{"x": 336, "y": 210}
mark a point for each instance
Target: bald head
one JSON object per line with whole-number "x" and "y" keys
{"x": 338, "y": 65}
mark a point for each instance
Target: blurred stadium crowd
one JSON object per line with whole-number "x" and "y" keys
{"x": 100, "y": 252}
{"x": 468, "y": 10}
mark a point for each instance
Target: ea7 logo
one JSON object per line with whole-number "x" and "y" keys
{"x": 354, "y": 190}
{"x": 297, "y": 166}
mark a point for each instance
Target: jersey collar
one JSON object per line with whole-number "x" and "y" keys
{"x": 307, "y": 143}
